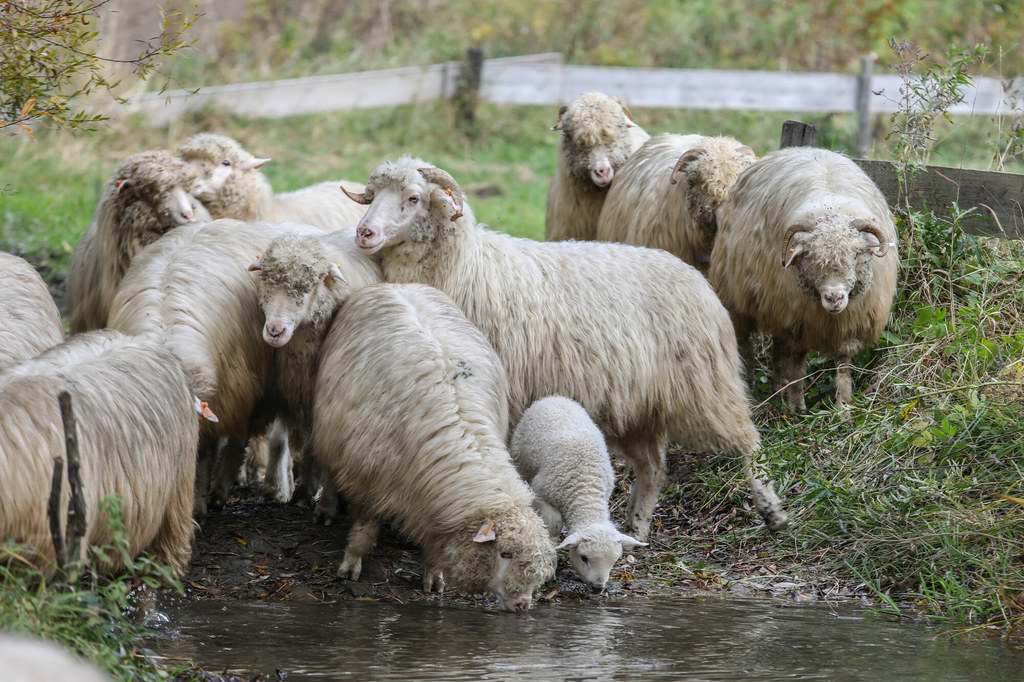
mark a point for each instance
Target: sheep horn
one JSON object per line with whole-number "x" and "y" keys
{"x": 445, "y": 181}
{"x": 622, "y": 103}
{"x": 870, "y": 227}
{"x": 789, "y": 254}
{"x": 358, "y": 198}
{"x": 688, "y": 156}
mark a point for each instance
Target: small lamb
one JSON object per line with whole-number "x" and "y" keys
{"x": 559, "y": 450}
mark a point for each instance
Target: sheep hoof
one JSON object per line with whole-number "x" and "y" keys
{"x": 350, "y": 569}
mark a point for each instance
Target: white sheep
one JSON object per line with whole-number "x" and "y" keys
{"x": 411, "y": 415}
{"x": 634, "y": 335}
{"x": 137, "y": 436}
{"x": 666, "y": 194}
{"x": 230, "y": 184}
{"x": 29, "y": 319}
{"x": 147, "y": 196}
{"x": 806, "y": 252}
{"x": 301, "y": 281}
{"x": 28, "y": 658}
{"x": 192, "y": 291}
{"x": 561, "y": 453}
{"x": 597, "y": 136}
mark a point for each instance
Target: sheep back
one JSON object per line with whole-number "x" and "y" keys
{"x": 29, "y": 319}
{"x": 653, "y": 204}
{"x": 137, "y": 437}
{"x": 804, "y": 186}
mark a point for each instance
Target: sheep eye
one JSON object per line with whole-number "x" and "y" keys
{"x": 226, "y": 162}
{"x": 414, "y": 199}
{"x": 506, "y": 555}
{"x": 584, "y": 559}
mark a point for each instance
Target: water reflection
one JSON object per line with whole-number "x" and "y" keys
{"x": 677, "y": 639}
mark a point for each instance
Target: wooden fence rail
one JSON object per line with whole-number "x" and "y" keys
{"x": 545, "y": 79}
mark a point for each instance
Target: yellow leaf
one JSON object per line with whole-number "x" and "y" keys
{"x": 242, "y": 542}
{"x": 1010, "y": 498}
{"x": 27, "y": 107}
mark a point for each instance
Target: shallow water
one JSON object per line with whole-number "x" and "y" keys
{"x": 664, "y": 639}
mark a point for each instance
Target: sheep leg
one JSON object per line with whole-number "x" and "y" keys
{"x": 278, "y": 481}
{"x": 550, "y": 515}
{"x": 229, "y": 461}
{"x": 647, "y": 455}
{"x": 206, "y": 456}
{"x": 744, "y": 328}
{"x": 788, "y": 368}
{"x": 433, "y": 573}
{"x": 766, "y": 502}
{"x": 361, "y": 539}
{"x": 844, "y": 380}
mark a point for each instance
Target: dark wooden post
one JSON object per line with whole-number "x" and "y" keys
{"x": 60, "y": 549}
{"x": 797, "y": 134}
{"x": 468, "y": 92}
{"x": 76, "y": 506}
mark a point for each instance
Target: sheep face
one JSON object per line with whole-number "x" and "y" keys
{"x": 595, "y": 138}
{"x": 406, "y": 204}
{"x": 292, "y": 277}
{"x": 511, "y": 558}
{"x": 216, "y": 161}
{"x": 152, "y": 189}
{"x": 832, "y": 258}
{"x": 593, "y": 553}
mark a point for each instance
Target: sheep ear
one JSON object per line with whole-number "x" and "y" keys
{"x": 627, "y": 541}
{"x": 485, "y": 534}
{"x": 334, "y": 275}
{"x": 561, "y": 112}
{"x": 256, "y": 265}
{"x": 253, "y": 164}
{"x": 571, "y": 540}
{"x": 203, "y": 408}
{"x": 794, "y": 253}
{"x": 122, "y": 185}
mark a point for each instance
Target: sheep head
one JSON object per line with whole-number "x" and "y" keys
{"x": 219, "y": 162}
{"x": 595, "y": 137}
{"x": 296, "y": 285}
{"x": 509, "y": 554}
{"x": 832, "y": 255}
{"x": 408, "y": 201}
{"x": 593, "y": 552}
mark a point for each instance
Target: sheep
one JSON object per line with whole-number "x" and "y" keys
{"x": 300, "y": 281}
{"x": 230, "y": 185}
{"x": 137, "y": 437}
{"x": 666, "y": 194}
{"x": 147, "y": 196}
{"x": 29, "y": 658}
{"x": 561, "y": 453}
{"x": 806, "y": 254}
{"x": 29, "y": 319}
{"x": 633, "y": 334}
{"x": 597, "y": 136}
{"x": 192, "y": 290}
{"x": 411, "y": 416}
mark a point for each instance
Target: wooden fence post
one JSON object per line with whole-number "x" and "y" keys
{"x": 76, "y": 506}
{"x": 798, "y": 134}
{"x": 468, "y": 92}
{"x": 867, "y": 67}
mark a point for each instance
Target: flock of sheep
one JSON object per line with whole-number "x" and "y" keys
{"x": 462, "y": 384}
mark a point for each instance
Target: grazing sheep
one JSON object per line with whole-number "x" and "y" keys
{"x": 634, "y": 335}
{"x": 147, "y": 196}
{"x": 301, "y": 280}
{"x": 666, "y": 194}
{"x": 192, "y": 291}
{"x": 137, "y": 437}
{"x": 29, "y": 320}
{"x": 230, "y": 185}
{"x": 597, "y": 136}
{"x": 562, "y": 454}
{"x": 806, "y": 253}
{"x": 411, "y": 414}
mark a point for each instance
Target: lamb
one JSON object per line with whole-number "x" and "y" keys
{"x": 597, "y": 136}
{"x": 562, "y": 454}
{"x": 137, "y": 437}
{"x": 634, "y": 335}
{"x": 29, "y": 320}
{"x": 230, "y": 185}
{"x": 411, "y": 416}
{"x": 147, "y": 196}
{"x": 192, "y": 291}
{"x": 806, "y": 253}
{"x": 301, "y": 280}
{"x": 666, "y": 194}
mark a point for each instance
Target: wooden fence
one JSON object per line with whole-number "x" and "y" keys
{"x": 545, "y": 79}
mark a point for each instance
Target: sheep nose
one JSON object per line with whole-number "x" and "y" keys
{"x": 835, "y": 301}
{"x": 188, "y": 216}
{"x": 274, "y": 332}
{"x": 603, "y": 174}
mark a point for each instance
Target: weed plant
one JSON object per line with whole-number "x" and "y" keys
{"x": 96, "y": 616}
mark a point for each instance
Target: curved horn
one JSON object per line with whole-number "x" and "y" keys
{"x": 442, "y": 179}
{"x": 688, "y": 156}
{"x": 789, "y": 254}
{"x": 358, "y": 198}
{"x": 622, "y": 103}
{"x": 870, "y": 227}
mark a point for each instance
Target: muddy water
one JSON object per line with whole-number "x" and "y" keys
{"x": 679, "y": 639}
